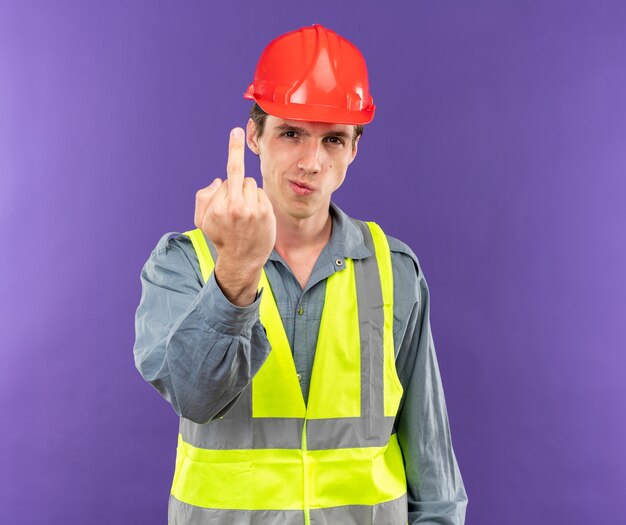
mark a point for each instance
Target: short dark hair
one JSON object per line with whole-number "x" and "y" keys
{"x": 258, "y": 116}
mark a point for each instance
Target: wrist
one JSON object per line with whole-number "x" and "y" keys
{"x": 238, "y": 283}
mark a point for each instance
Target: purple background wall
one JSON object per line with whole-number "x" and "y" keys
{"x": 498, "y": 153}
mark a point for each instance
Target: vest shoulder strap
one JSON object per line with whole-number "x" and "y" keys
{"x": 205, "y": 250}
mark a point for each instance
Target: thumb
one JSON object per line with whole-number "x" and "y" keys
{"x": 203, "y": 198}
{"x": 212, "y": 188}
{"x": 215, "y": 184}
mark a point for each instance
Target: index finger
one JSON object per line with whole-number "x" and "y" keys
{"x": 235, "y": 166}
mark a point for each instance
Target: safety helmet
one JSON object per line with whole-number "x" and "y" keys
{"x": 313, "y": 74}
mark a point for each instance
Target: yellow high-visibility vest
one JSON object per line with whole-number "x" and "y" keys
{"x": 272, "y": 459}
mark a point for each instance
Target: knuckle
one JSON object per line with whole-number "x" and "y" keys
{"x": 217, "y": 210}
{"x": 234, "y": 167}
{"x": 241, "y": 212}
{"x": 265, "y": 203}
{"x": 234, "y": 210}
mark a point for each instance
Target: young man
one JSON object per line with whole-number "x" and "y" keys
{"x": 294, "y": 341}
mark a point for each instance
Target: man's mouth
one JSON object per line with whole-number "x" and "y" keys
{"x": 300, "y": 188}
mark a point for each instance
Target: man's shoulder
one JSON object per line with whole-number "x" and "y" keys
{"x": 402, "y": 254}
{"x": 174, "y": 253}
{"x": 172, "y": 241}
{"x": 408, "y": 278}
{"x": 398, "y": 246}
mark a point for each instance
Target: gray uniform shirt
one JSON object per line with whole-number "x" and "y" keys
{"x": 200, "y": 351}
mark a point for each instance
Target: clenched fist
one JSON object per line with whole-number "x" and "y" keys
{"x": 238, "y": 218}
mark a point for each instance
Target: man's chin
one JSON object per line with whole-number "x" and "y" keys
{"x": 302, "y": 212}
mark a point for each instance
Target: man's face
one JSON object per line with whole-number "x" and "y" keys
{"x": 302, "y": 163}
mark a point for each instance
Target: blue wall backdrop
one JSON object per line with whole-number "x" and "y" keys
{"x": 498, "y": 153}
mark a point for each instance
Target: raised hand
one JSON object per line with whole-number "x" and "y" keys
{"x": 238, "y": 218}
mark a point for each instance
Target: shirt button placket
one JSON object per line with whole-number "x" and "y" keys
{"x": 300, "y": 341}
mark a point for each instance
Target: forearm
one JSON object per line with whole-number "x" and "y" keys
{"x": 435, "y": 491}
{"x": 195, "y": 347}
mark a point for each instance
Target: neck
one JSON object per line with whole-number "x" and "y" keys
{"x": 296, "y": 235}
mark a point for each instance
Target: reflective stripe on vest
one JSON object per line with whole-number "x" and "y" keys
{"x": 334, "y": 460}
{"x": 394, "y": 511}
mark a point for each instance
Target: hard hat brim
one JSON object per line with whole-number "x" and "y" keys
{"x": 312, "y": 113}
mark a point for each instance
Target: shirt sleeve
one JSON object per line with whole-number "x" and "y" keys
{"x": 193, "y": 345}
{"x": 435, "y": 491}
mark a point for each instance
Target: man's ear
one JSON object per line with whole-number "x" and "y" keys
{"x": 252, "y": 138}
{"x": 354, "y": 149}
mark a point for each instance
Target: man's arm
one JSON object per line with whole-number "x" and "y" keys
{"x": 201, "y": 345}
{"x": 194, "y": 346}
{"x": 436, "y": 494}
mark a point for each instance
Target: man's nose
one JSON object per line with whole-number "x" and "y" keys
{"x": 311, "y": 157}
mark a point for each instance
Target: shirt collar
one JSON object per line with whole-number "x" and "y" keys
{"x": 346, "y": 239}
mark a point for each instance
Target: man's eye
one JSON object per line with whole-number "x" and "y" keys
{"x": 289, "y": 134}
{"x": 335, "y": 140}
